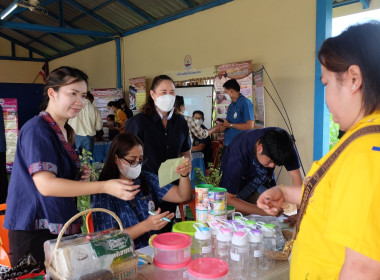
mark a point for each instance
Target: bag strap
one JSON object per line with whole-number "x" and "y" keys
{"x": 312, "y": 181}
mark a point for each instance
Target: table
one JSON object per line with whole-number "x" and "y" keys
{"x": 101, "y": 149}
{"x": 280, "y": 272}
{"x": 196, "y": 162}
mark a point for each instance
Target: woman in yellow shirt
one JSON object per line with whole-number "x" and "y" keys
{"x": 339, "y": 232}
{"x": 120, "y": 116}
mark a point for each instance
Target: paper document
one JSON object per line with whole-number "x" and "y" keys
{"x": 166, "y": 172}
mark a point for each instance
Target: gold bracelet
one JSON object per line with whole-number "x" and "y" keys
{"x": 283, "y": 190}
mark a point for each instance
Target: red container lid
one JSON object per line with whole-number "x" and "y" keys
{"x": 171, "y": 241}
{"x": 208, "y": 268}
{"x": 171, "y": 266}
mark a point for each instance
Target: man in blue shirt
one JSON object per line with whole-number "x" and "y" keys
{"x": 248, "y": 165}
{"x": 3, "y": 166}
{"x": 240, "y": 112}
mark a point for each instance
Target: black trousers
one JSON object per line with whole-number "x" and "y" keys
{"x": 23, "y": 241}
{"x": 3, "y": 178}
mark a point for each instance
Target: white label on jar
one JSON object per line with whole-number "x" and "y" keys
{"x": 185, "y": 275}
{"x": 206, "y": 249}
{"x": 235, "y": 257}
{"x": 258, "y": 253}
{"x": 187, "y": 253}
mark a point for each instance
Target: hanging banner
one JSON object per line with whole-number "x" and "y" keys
{"x": 259, "y": 104}
{"x": 11, "y": 129}
{"x": 137, "y": 93}
{"x": 103, "y": 96}
{"x": 242, "y": 72}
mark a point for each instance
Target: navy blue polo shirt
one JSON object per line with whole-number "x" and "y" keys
{"x": 242, "y": 170}
{"x": 240, "y": 111}
{"x": 160, "y": 143}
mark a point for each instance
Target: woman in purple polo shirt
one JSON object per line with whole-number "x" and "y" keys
{"x": 43, "y": 186}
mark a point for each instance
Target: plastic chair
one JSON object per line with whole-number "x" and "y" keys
{"x": 4, "y": 257}
{"x": 3, "y": 232}
{"x": 89, "y": 223}
{"x": 191, "y": 204}
{"x": 215, "y": 150}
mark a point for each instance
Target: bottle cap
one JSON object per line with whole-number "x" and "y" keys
{"x": 203, "y": 233}
{"x": 224, "y": 235}
{"x": 255, "y": 235}
{"x": 239, "y": 238}
{"x": 250, "y": 222}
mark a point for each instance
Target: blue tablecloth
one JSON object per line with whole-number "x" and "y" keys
{"x": 196, "y": 162}
{"x": 101, "y": 151}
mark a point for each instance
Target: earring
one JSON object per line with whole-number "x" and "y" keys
{"x": 354, "y": 86}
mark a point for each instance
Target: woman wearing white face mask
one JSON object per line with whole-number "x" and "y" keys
{"x": 163, "y": 131}
{"x": 202, "y": 145}
{"x": 124, "y": 161}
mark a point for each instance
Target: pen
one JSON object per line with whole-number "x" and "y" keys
{"x": 154, "y": 214}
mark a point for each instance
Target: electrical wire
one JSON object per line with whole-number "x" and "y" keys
{"x": 287, "y": 122}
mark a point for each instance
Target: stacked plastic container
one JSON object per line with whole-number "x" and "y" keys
{"x": 207, "y": 268}
{"x": 171, "y": 256}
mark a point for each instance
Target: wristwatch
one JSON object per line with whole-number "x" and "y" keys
{"x": 231, "y": 125}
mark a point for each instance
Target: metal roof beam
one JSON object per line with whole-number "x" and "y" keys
{"x": 344, "y": 3}
{"x": 94, "y": 15}
{"x": 365, "y": 3}
{"x": 22, "y": 58}
{"x": 22, "y": 9}
{"x": 52, "y": 29}
{"x": 177, "y": 16}
{"x": 34, "y": 39}
{"x": 23, "y": 45}
{"x": 55, "y": 35}
{"x": 136, "y": 10}
{"x": 90, "y": 45}
{"x": 61, "y": 17}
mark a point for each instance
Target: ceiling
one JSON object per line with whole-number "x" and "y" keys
{"x": 54, "y": 28}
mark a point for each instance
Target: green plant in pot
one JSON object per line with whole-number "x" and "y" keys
{"x": 213, "y": 177}
{"x": 83, "y": 202}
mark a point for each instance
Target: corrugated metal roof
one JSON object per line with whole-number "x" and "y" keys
{"x": 85, "y": 23}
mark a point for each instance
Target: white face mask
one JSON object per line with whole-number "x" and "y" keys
{"x": 129, "y": 171}
{"x": 165, "y": 102}
{"x": 199, "y": 121}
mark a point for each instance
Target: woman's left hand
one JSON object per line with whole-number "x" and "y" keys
{"x": 85, "y": 173}
{"x": 184, "y": 169}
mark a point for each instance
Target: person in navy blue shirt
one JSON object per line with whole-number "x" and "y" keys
{"x": 240, "y": 115}
{"x": 248, "y": 166}
{"x": 164, "y": 132}
{"x": 44, "y": 183}
{"x": 202, "y": 145}
{"x": 124, "y": 161}
{"x": 3, "y": 162}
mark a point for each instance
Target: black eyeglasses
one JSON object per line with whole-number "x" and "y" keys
{"x": 135, "y": 163}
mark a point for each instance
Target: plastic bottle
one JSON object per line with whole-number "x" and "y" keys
{"x": 239, "y": 256}
{"x": 223, "y": 243}
{"x": 256, "y": 253}
{"x": 202, "y": 242}
{"x": 269, "y": 245}
{"x": 214, "y": 231}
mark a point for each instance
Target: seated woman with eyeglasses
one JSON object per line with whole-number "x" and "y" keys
{"x": 124, "y": 161}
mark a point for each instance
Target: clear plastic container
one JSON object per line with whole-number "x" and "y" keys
{"x": 207, "y": 268}
{"x": 172, "y": 248}
{"x": 223, "y": 243}
{"x": 170, "y": 271}
{"x": 269, "y": 246}
{"x": 239, "y": 256}
{"x": 256, "y": 253}
{"x": 202, "y": 243}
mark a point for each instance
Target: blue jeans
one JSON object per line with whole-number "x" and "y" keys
{"x": 84, "y": 142}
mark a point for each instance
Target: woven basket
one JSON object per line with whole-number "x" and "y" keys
{"x": 48, "y": 265}
{"x": 284, "y": 255}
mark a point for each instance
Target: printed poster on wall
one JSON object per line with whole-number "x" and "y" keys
{"x": 103, "y": 96}
{"x": 258, "y": 88}
{"x": 11, "y": 129}
{"x": 137, "y": 92}
{"x": 242, "y": 72}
